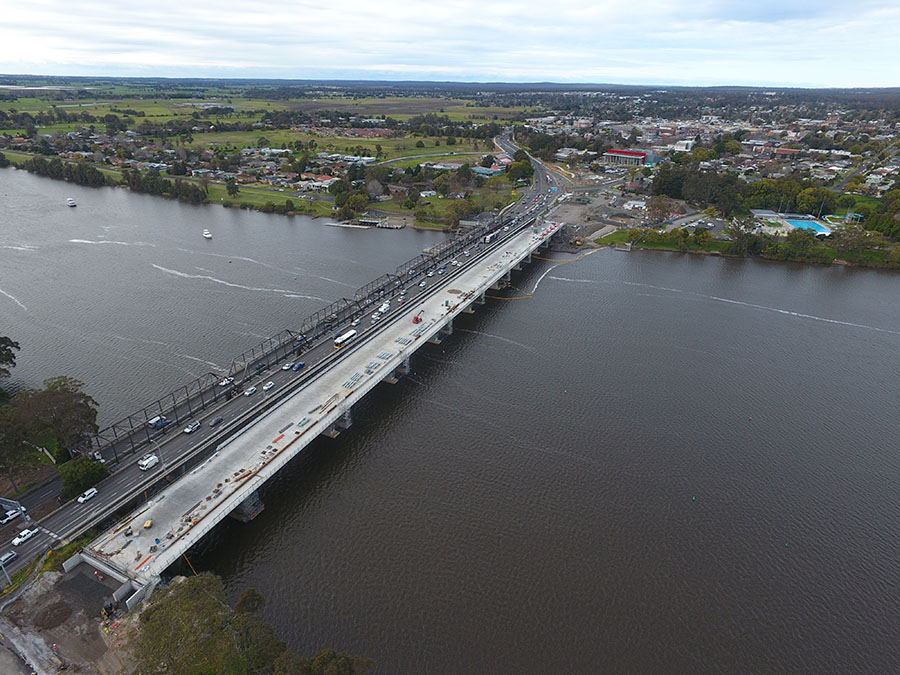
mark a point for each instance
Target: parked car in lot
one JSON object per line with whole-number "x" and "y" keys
{"x": 268, "y": 385}
{"x": 87, "y": 494}
{"x": 250, "y": 391}
{"x": 24, "y": 536}
{"x": 216, "y": 422}
{"x": 226, "y": 381}
{"x": 192, "y": 427}
{"x": 300, "y": 364}
{"x": 148, "y": 462}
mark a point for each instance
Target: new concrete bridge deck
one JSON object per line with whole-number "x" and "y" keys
{"x": 226, "y": 481}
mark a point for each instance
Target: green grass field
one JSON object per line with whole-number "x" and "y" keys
{"x": 391, "y": 147}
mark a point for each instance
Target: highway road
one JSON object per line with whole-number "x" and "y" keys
{"x": 176, "y": 448}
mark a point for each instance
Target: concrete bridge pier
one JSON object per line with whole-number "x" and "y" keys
{"x": 446, "y": 330}
{"x": 342, "y": 423}
{"x": 502, "y": 282}
{"x": 248, "y": 509}
{"x": 398, "y": 372}
{"x": 479, "y": 300}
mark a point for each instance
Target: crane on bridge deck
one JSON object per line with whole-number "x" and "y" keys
{"x": 418, "y": 317}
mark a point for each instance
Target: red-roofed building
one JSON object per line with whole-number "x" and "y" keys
{"x": 629, "y": 157}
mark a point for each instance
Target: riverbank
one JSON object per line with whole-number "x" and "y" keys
{"x": 248, "y": 197}
{"x": 818, "y": 254}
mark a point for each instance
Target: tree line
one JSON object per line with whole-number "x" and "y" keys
{"x": 74, "y": 172}
{"x": 190, "y": 628}
{"x": 55, "y": 419}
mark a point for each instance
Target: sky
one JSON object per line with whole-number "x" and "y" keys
{"x": 822, "y": 43}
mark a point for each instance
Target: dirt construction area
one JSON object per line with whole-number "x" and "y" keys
{"x": 57, "y": 622}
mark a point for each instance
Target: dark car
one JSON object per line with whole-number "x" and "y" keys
{"x": 216, "y": 422}
{"x": 298, "y": 365}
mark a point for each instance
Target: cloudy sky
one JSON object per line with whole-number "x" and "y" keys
{"x": 751, "y": 42}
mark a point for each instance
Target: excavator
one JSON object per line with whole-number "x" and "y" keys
{"x": 418, "y": 317}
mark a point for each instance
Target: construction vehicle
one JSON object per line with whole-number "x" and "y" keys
{"x": 418, "y": 317}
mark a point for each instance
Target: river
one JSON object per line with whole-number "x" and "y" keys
{"x": 656, "y": 463}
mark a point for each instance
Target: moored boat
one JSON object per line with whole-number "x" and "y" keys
{"x": 70, "y": 202}
{"x": 207, "y": 234}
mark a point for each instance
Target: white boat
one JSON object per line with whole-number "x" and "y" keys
{"x": 207, "y": 234}
{"x": 71, "y": 202}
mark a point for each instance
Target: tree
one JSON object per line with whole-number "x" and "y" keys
{"x": 816, "y": 200}
{"x": 80, "y": 474}
{"x": 358, "y": 202}
{"x": 441, "y": 184}
{"x": 231, "y": 187}
{"x": 7, "y": 355}
{"x": 702, "y": 236}
{"x": 743, "y": 235}
{"x": 420, "y": 144}
{"x": 4, "y": 161}
{"x": 62, "y": 407}
{"x": 487, "y": 161}
{"x": 325, "y": 662}
{"x": 15, "y": 453}
{"x": 659, "y": 208}
{"x": 520, "y": 156}
{"x": 852, "y": 239}
{"x": 464, "y": 174}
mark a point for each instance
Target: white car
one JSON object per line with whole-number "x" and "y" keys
{"x": 431, "y": 274}
{"x": 287, "y": 366}
{"x": 268, "y": 385}
{"x": 355, "y": 322}
{"x": 24, "y": 536}
{"x": 422, "y": 284}
{"x": 192, "y": 427}
{"x": 148, "y": 462}
{"x": 250, "y": 391}
{"x": 87, "y": 494}
{"x": 226, "y": 381}
{"x": 10, "y": 515}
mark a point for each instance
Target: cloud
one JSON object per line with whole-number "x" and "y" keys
{"x": 823, "y": 43}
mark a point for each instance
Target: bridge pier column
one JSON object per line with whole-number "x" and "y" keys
{"x": 398, "y": 372}
{"x": 248, "y": 509}
{"x": 342, "y": 423}
{"x": 479, "y": 300}
{"x": 446, "y": 330}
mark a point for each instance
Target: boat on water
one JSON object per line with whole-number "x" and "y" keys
{"x": 207, "y": 234}
{"x": 71, "y": 202}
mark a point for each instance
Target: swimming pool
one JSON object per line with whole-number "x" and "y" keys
{"x": 808, "y": 225}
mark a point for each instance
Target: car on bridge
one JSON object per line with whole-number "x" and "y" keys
{"x": 86, "y": 495}
{"x": 300, "y": 364}
{"x": 148, "y": 462}
{"x": 268, "y": 385}
{"x": 24, "y": 536}
{"x": 226, "y": 381}
{"x": 250, "y": 391}
{"x": 216, "y": 421}
{"x": 8, "y": 557}
{"x": 287, "y": 366}
{"x": 192, "y": 427}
